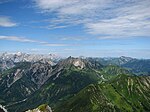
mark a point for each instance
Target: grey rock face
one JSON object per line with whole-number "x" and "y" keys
{"x": 40, "y": 73}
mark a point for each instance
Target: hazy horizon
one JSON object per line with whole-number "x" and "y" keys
{"x": 75, "y": 56}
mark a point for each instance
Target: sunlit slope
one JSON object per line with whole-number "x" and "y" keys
{"x": 125, "y": 93}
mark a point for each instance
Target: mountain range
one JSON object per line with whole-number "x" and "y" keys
{"x": 74, "y": 84}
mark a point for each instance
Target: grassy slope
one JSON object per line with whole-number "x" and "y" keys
{"x": 111, "y": 71}
{"x": 126, "y": 93}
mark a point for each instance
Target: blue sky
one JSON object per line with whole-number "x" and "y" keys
{"x": 97, "y": 28}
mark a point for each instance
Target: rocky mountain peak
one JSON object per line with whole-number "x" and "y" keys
{"x": 125, "y": 59}
{"x": 77, "y": 62}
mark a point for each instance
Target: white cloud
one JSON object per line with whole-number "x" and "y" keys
{"x": 114, "y": 19}
{"x": 68, "y": 7}
{"x": 73, "y": 38}
{"x": 69, "y": 12}
{"x": 120, "y": 27}
{"x": 22, "y": 39}
{"x": 14, "y": 38}
{"x": 56, "y": 44}
{"x": 6, "y": 22}
{"x": 130, "y": 21}
{"x": 37, "y": 50}
{"x": 4, "y": 1}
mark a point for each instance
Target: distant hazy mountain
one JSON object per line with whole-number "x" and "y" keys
{"x": 113, "y": 60}
{"x": 8, "y": 60}
{"x": 24, "y": 57}
{"x": 137, "y": 66}
{"x": 140, "y": 67}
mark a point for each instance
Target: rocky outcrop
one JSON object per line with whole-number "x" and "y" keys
{"x": 2, "y": 109}
{"x": 41, "y": 108}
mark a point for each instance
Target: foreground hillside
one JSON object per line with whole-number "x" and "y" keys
{"x": 124, "y": 94}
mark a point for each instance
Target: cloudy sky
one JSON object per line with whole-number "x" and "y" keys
{"x": 105, "y": 28}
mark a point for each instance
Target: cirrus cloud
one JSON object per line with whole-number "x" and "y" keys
{"x": 6, "y": 22}
{"x": 103, "y": 18}
{"x": 23, "y": 39}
